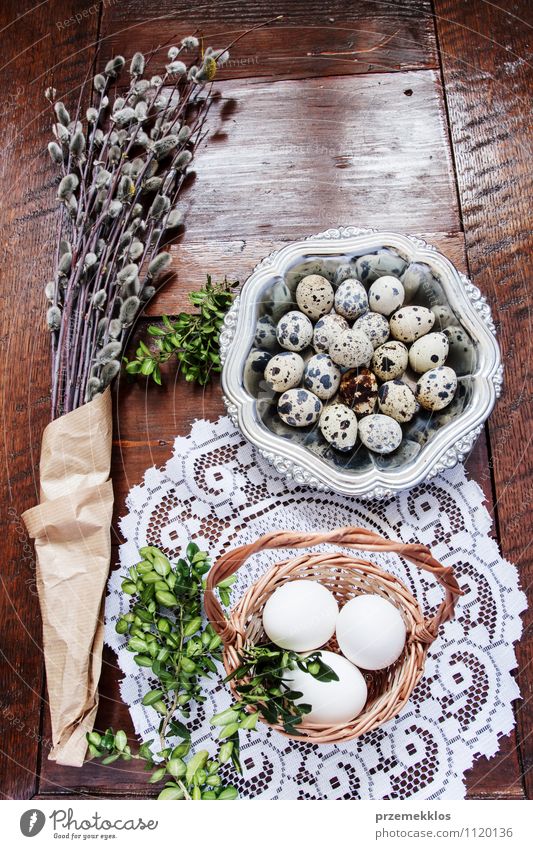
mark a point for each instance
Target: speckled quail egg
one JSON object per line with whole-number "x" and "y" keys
{"x": 254, "y": 367}
{"x": 380, "y": 433}
{"x": 326, "y": 329}
{"x": 338, "y": 425}
{"x": 351, "y": 299}
{"x": 390, "y": 360}
{"x": 410, "y": 323}
{"x": 265, "y": 334}
{"x": 386, "y": 295}
{"x": 375, "y": 326}
{"x": 351, "y": 349}
{"x": 299, "y": 407}
{"x": 284, "y": 371}
{"x": 443, "y": 316}
{"x": 344, "y": 272}
{"x": 416, "y": 275}
{"x": 460, "y": 346}
{"x": 322, "y": 376}
{"x": 397, "y": 400}
{"x": 428, "y": 352}
{"x": 436, "y": 388}
{"x": 359, "y": 390}
{"x": 294, "y": 331}
{"x": 314, "y": 296}
{"x": 371, "y": 266}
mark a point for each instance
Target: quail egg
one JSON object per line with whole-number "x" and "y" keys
{"x": 284, "y": 371}
{"x": 359, "y": 390}
{"x": 254, "y": 367}
{"x": 410, "y": 323}
{"x": 322, "y": 376}
{"x": 428, "y": 352}
{"x": 416, "y": 274}
{"x": 462, "y": 355}
{"x": 436, "y": 388}
{"x": 390, "y": 360}
{"x": 386, "y": 295}
{"x": 299, "y": 407}
{"x": 375, "y": 326}
{"x": 371, "y": 266}
{"x": 351, "y": 299}
{"x": 294, "y": 331}
{"x": 397, "y": 400}
{"x": 344, "y": 272}
{"x": 338, "y": 425}
{"x": 314, "y": 296}
{"x": 443, "y": 316}
{"x": 265, "y": 334}
{"x": 380, "y": 433}
{"x": 326, "y": 329}
{"x": 351, "y": 349}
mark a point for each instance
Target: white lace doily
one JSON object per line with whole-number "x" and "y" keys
{"x": 219, "y": 491}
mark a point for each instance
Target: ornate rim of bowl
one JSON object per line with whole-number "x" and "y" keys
{"x": 295, "y": 462}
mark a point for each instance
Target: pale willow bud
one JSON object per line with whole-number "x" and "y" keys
{"x": 141, "y": 110}
{"x": 114, "y": 66}
{"x": 172, "y": 53}
{"x": 125, "y": 188}
{"x": 114, "y": 154}
{"x": 177, "y": 68}
{"x": 142, "y": 139}
{"x": 160, "y": 207}
{"x": 108, "y": 352}
{"x": 136, "y": 250}
{"x": 158, "y": 264}
{"x": 90, "y": 259}
{"x": 105, "y": 102}
{"x": 64, "y": 247}
{"x": 72, "y": 206}
{"x": 91, "y": 115}
{"x": 174, "y": 219}
{"x": 49, "y": 290}
{"x": 183, "y": 159}
{"x": 64, "y": 263}
{"x": 184, "y": 134}
{"x": 99, "y": 82}
{"x": 77, "y": 144}
{"x": 141, "y": 86}
{"x": 190, "y": 42}
{"x": 98, "y": 299}
{"x": 127, "y": 274}
{"x": 114, "y": 210}
{"x": 62, "y": 115}
{"x": 118, "y": 104}
{"x": 153, "y": 184}
{"x": 156, "y": 81}
{"x": 165, "y": 146}
{"x": 109, "y": 372}
{"x": 56, "y": 154}
{"x": 124, "y": 116}
{"x": 61, "y": 133}
{"x": 147, "y": 293}
{"x": 128, "y": 310}
{"x": 137, "y": 64}
{"x": 115, "y": 328}
{"x": 53, "y": 319}
{"x": 94, "y": 386}
{"x": 98, "y": 137}
{"x": 50, "y": 93}
{"x": 103, "y": 178}
{"x": 221, "y": 57}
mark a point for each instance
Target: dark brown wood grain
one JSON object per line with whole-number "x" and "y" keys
{"x": 313, "y": 39}
{"x": 29, "y": 227}
{"x": 486, "y": 61}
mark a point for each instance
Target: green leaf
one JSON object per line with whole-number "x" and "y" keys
{"x": 180, "y": 730}
{"x": 171, "y": 793}
{"x": 198, "y": 761}
{"x": 225, "y": 717}
{"x": 157, "y": 775}
{"x": 229, "y": 792}
{"x": 121, "y": 740}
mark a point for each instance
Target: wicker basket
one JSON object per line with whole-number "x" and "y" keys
{"x": 346, "y": 576}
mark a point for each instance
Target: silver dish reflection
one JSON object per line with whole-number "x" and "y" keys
{"x": 432, "y": 441}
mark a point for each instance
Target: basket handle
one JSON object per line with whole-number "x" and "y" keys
{"x": 360, "y": 538}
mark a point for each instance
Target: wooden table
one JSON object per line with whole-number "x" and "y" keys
{"x": 409, "y": 115}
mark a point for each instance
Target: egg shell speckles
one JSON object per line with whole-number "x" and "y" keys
{"x": 385, "y": 295}
{"x": 265, "y": 334}
{"x": 294, "y": 331}
{"x": 326, "y": 329}
{"x": 284, "y": 371}
{"x": 351, "y": 299}
{"x": 314, "y": 296}
{"x": 256, "y": 362}
{"x": 375, "y": 326}
{"x": 322, "y": 376}
{"x": 436, "y": 388}
{"x": 390, "y": 360}
{"x": 443, "y": 316}
{"x": 351, "y": 349}
{"x": 359, "y": 390}
{"x": 299, "y": 407}
{"x": 416, "y": 274}
{"x": 380, "y": 433}
{"x": 338, "y": 425}
{"x": 397, "y": 400}
{"x": 430, "y": 351}
{"x": 371, "y": 266}
{"x": 410, "y": 323}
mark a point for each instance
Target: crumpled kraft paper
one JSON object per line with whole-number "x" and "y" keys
{"x": 72, "y": 531}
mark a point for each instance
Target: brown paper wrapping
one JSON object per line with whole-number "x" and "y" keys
{"x": 71, "y": 528}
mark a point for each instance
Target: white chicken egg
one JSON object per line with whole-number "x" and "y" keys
{"x": 385, "y": 295}
{"x": 300, "y": 615}
{"x": 332, "y": 702}
{"x": 371, "y": 632}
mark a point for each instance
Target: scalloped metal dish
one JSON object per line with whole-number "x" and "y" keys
{"x": 296, "y": 462}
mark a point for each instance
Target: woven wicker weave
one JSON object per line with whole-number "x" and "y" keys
{"x": 346, "y": 576}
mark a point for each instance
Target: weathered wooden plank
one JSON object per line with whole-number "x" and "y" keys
{"x": 313, "y": 39}
{"x": 31, "y": 47}
{"x": 487, "y": 73}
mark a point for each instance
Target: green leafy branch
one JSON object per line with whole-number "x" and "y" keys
{"x": 190, "y": 338}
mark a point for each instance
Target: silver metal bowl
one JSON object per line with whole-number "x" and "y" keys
{"x": 432, "y": 442}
